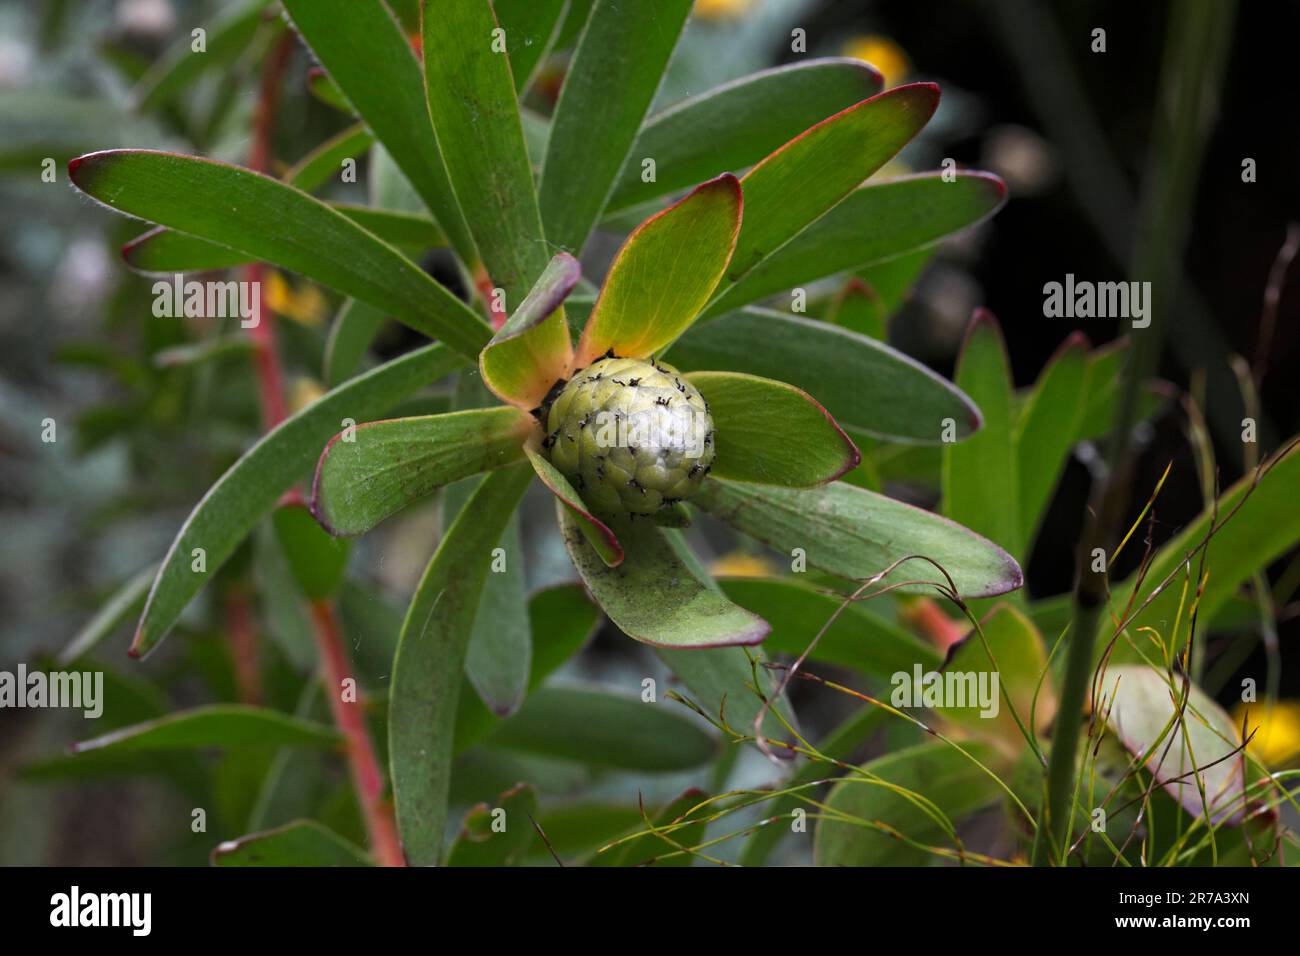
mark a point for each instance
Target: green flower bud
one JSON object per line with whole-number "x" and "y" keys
{"x": 632, "y": 436}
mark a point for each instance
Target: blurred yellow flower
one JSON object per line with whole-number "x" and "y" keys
{"x": 739, "y": 564}
{"x": 882, "y": 53}
{"x": 303, "y": 392}
{"x": 306, "y": 305}
{"x": 718, "y": 9}
{"x": 1277, "y": 741}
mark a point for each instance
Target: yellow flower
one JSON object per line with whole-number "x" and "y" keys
{"x": 1277, "y": 739}
{"x": 304, "y": 391}
{"x": 306, "y": 305}
{"x": 718, "y": 9}
{"x": 739, "y": 564}
{"x": 882, "y": 53}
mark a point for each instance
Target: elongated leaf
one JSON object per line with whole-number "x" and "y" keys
{"x": 326, "y": 160}
{"x": 299, "y": 843}
{"x": 874, "y": 223}
{"x": 530, "y": 26}
{"x": 372, "y": 472}
{"x": 653, "y": 596}
{"x": 501, "y": 647}
{"x": 605, "y": 730}
{"x": 860, "y": 639}
{"x": 217, "y": 725}
{"x": 867, "y": 386}
{"x": 980, "y": 483}
{"x": 498, "y": 835}
{"x": 857, "y": 534}
{"x": 948, "y": 785}
{"x": 772, "y": 433}
{"x": 624, "y": 47}
{"x": 252, "y": 486}
{"x": 735, "y": 125}
{"x": 224, "y": 38}
{"x": 805, "y": 178}
{"x": 265, "y": 218}
{"x": 316, "y": 560}
{"x": 1045, "y": 432}
{"x": 125, "y": 602}
{"x": 664, "y": 274}
{"x": 598, "y": 534}
{"x": 858, "y": 308}
{"x": 428, "y": 667}
{"x": 354, "y": 328}
{"x": 368, "y": 56}
{"x": 471, "y": 100}
{"x": 532, "y": 350}
{"x": 658, "y": 849}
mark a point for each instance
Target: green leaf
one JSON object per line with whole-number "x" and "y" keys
{"x": 298, "y": 843}
{"x": 226, "y": 36}
{"x": 532, "y": 350}
{"x": 1045, "y": 432}
{"x": 867, "y": 386}
{"x": 605, "y": 730}
{"x": 126, "y": 601}
{"x": 317, "y": 561}
{"x": 598, "y": 534}
{"x": 351, "y": 334}
{"x": 857, "y": 308}
{"x": 652, "y": 848}
{"x": 664, "y": 273}
{"x": 653, "y": 596}
{"x": 735, "y": 125}
{"x": 370, "y": 59}
{"x": 429, "y": 664}
{"x": 378, "y": 469}
{"x": 322, "y": 86}
{"x": 805, "y": 178}
{"x": 947, "y": 785}
{"x": 980, "y": 483}
{"x": 876, "y": 222}
{"x": 501, "y": 646}
{"x": 251, "y": 487}
{"x": 1105, "y": 368}
{"x": 624, "y": 47}
{"x": 857, "y": 534}
{"x": 772, "y": 433}
{"x": 216, "y": 725}
{"x": 326, "y": 160}
{"x": 266, "y": 219}
{"x": 530, "y": 26}
{"x": 860, "y": 639}
{"x": 1195, "y": 757}
{"x": 471, "y": 100}
{"x": 481, "y": 841}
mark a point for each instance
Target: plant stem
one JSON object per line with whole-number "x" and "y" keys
{"x": 350, "y": 718}
{"x": 1192, "y": 68}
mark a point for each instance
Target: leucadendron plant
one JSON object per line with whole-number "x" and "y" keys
{"x": 684, "y": 380}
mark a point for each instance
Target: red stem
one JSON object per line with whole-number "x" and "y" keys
{"x": 243, "y": 645}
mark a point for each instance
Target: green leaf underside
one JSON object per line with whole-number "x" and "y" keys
{"x": 529, "y": 27}
{"x": 125, "y": 602}
{"x": 598, "y": 534}
{"x": 316, "y": 560}
{"x": 859, "y": 309}
{"x": 980, "y": 486}
{"x": 864, "y": 384}
{"x": 500, "y": 650}
{"x": 664, "y": 274}
{"x": 772, "y": 433}
{"x": 216, "y": 725}
{"x": 481, "y": 843}
{"x": 735, "y": 125}
{"x": 352, "y": 332}
{"x": 299, "y": 843}
{"x": 266, "y": 219}
{"x": 391, "y": 464}
{"x": 532, "y": 350}
{"x": 428, "y": 667}
{"x": 605, "y": 730}
{"x": 623, "y": 47}
{"x": 653, "y": 596}
{"x": 806, "y": 177}
{"x": 1184, "y": 755}
{"x": 874, "y": 223}
{"x": 857, "y": 534}
{"x": 251, "y": 487}
{"x": 325, "y": 161}
{"x": 1046, "y": 430}
{"x": 471, "y": 101}
{"x": 860, "y": 639}
{"x": 369, "y": 58}
{"x": 946, "y": 782}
